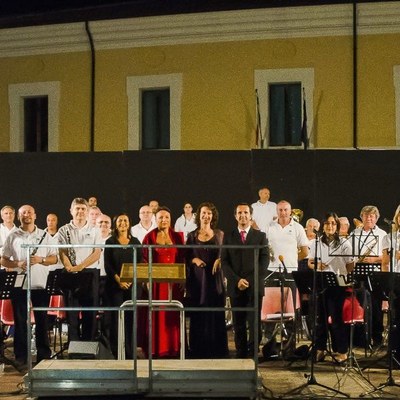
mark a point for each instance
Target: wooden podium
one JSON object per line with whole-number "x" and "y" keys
{"x": 171, "y": 273}
{"x": 160, "y": 272}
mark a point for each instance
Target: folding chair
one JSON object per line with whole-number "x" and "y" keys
{"x": 272, "y": 311}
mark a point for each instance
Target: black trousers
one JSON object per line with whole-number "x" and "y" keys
{"x": 84, "y": 328}
{"x": 39, "y": 298}
{"x": 243, "y": 320}
{"x": 330, "y": 303}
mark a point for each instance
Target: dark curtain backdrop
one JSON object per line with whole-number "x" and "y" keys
{"x": 315, "y": 181}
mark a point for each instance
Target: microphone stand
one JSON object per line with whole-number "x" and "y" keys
{"x": 282, "y": 289}
{"x": 311, "y": 379}
{"x": 390, "y": 380}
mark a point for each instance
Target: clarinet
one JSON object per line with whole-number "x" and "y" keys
{"x": 71, "y": 251}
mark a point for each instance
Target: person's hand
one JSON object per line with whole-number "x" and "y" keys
{"x": 216, "y": 266}
{"x": 125, "y": 285}
{"x": 243, "y": 284}
{"x": 198, "y": 262}
{"x": 22, "y": 264}
{"x": 36, "y": 260}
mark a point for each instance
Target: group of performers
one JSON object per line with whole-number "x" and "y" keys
{"x": 367, "y": 249}
{"x": 213, "y": 272}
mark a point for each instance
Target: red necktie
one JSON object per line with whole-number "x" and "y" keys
{"x": 243, "y": 236}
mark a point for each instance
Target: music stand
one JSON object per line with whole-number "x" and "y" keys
{"x": 7, "y": 283}
{"x": 60, "y": 281}
{"x": 363, "y": 276}
{"x": 53, "y": 289}
{"x": 388, "y": 281}
{"x": 361, "y": 273}
{"x": 52, "y": 283}
{"x": 314, "y": 282}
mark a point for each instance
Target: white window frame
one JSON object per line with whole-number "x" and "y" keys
{"x": 16, "y": 94}
{"x": 264, "y": 77}
{"x": 134, "y": 86}
{"x": 396, "y": 82}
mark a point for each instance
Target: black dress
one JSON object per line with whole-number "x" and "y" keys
{"x": 113, "y": 260}
{"x": 207, "y": 333}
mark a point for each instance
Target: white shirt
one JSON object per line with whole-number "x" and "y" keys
{"x": 71, "y": 234}
{"x": 12, "y": 249}
{"x": 185, "y": 225}
{"x": 285, "y": 241}
{"x": 101, "y": 259}
{"x": 367, "y": 242}
{"x": 4, "y": 232}
{"x": 392, "y": 239}
{"x": 263, "y": 214}
{"x": 139, "y": 231}
{"x": 334, "y": 256}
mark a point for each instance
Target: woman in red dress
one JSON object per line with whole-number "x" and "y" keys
{"x": 166, "y": 324}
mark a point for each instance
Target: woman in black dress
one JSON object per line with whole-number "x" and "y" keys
{"x": 205, "y": 288}
{"x": 118, "y": 292}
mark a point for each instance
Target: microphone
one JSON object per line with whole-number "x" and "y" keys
{"x": 283, "y": 264}
{"x": 388, "y": 221}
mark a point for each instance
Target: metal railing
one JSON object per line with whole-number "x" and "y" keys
{"x": 153, "y": 304}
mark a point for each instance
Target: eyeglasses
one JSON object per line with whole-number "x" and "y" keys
{"x": 104, "y": 222}
{"x": 330, "y": 223}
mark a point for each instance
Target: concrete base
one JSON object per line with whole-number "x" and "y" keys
{"x": 169, "y": 378}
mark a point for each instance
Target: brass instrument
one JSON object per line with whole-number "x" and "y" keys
{"x": 368, "y": 251}
{"x": 297, "y": 214}
{"x": 357, "y": 223}
{"x": 271, "y": 253}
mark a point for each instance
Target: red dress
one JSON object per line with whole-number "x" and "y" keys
{"x": 166, "y": 324}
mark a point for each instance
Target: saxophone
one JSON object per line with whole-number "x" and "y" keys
{"x": 71, "y": 251}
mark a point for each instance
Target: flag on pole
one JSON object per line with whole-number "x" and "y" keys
{"x": 259, "y": 141}
{"x": 304, "y": 133}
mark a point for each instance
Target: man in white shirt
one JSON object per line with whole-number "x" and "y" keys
{"x": 15, "y": 259}
{"x": 103, "y": 223}
{"x": 367, "y": 246}
{"x": 287, "y": 239}
{"x": 85, "y": 261}
{"x": 145, "y": 225}
{"x": 94, "y": 213}
{"x": 264, "y": 211}
{"x": 8, "y": 217}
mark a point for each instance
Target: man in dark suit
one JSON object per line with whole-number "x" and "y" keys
{"x": 238, "y": 266}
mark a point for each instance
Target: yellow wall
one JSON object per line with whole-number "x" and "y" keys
{"x": 218, "y": 106}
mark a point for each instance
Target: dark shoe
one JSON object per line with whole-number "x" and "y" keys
{"x": 320, "y": 356}
{"x": 21, "y": 365}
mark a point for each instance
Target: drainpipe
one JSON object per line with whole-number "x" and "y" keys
{"x": 355, "y": 83}
{"x": 92, "y": 84}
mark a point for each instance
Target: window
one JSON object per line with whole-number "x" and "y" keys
{"x": 29, "y": 104}
{"x": 285, "y": 114}
{"x": 280, "y": 93}
{"x": 36, "y": 124}
{"x": 155, "y": 119}
{"x": 154, "y": 96}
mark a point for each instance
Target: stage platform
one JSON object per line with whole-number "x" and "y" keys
{"x": 168, "y": 378}
{"x": 279, "y": 379}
